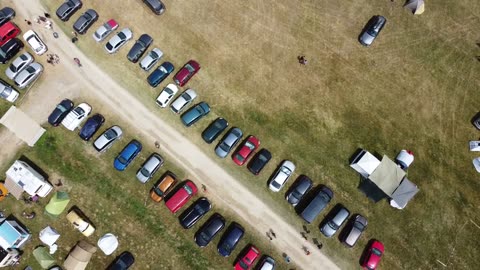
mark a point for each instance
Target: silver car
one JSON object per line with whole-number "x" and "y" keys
{"x": 148, "y": 169}
{"x": 151, "y": 59}
{"x": 117, "y": 41}
{"x": 7, "y": 92}
{"x": 183, "y": 100}
{"x": 228, "y": 142}
{"x": 371, "y": 30}
{"x": 106, "y": 140}
{"x": 28, "y": 75}
{"x": 105, "y": 30}
{"x": 19, "y": 64}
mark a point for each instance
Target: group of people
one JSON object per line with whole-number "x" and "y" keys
{"x": 271, "y": 234}
{"x": 53, "y": 59}
{"x": 302, "y": 60}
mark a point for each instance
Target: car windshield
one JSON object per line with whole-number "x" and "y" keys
{"x": 224, "y": 146}
{"x": 358, "y": 225}
{"x": 122, "y": 36}
{"x": 262, "y": 158}
{"x": 13, "y": 68}
{"x": 30, "y": 69}
{"x": 199, "y": 209}
{"x": 162, "y": 69}
{"x": 79, "y": 111}
{"x": 218, "y": 125}
{"x": 109, "y": 46}
{"x": 243, "y": 264}
{"x": 122, "y": 160}
{"x": 333, "y": 225}
{"x": 97, "y": 35}
{"x": 377, "y": 252}
{"x": 6, "y": 92}
{"x": 158, "y": 191}
{"x": 168, "y": 91}
{"x": 154, "y": 55}
{"x": 145, "y": 172}
{"x": 190, "y": 68}
{"x": 188, "y": 189}
{"x": 276, "y": 185}
{"x": 250, "y": 145}
{"x": 204, "y": 236}
{"x": 61, "y": 108}
{"x": 286, "y": 170}
{"x": 110, "y": 134}
{"x": 3, "y": 54}
{"x": 226, "y": 247}
{"x": 239, "y": 157}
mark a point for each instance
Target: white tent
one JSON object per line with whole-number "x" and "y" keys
{"x": 49, "y": 236}
{"x": 403, "y": 194}
{"x": 108, "y": 243}
{"x": 417, "y": 7}
{"x": 365, "y": 163}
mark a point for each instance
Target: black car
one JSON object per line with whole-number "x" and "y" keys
{"x": 139, "y": 48}
{"x": 91, "y": 126}
{"x": 214, "y": 130}
{"x": 194, "y": 213}
{"x": 6, "y": 14}
{"x": 298, "y": 190}
{"x": 68, "y": 8}
{"x": 62, "y": 109}
{"x": 122, "y": 262}
{"x": 10, "y": 49}
{"x": 209, "y": 230}
{"x": 156, "y": 6}
{"x": 334, "y": 220}
{"x": 85, "y": 21}
{"x": 321, "y": 200}
{"x": 371, "y": 30}
{"x": 230, "y": 239}
{"x": 259, "y": 161}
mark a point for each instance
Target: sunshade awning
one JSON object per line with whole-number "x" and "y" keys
{"x": 387, "y": 176}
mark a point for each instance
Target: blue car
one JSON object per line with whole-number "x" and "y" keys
{"x": 91, "y": 126}
{"x": 160, "y": 74}
{"x": 230, "y": 239}
{"x": 127, "y": 155}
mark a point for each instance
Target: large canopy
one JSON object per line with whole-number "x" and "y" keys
{"x": 49, "y": 236}
{"x": 387, "y": 176}
{"x": 417, "y": 7}
{"x": 80, "y": 256}
{"x": 43, "y": 257}
{"x": 403, "y": 194}
{"x": 365, "y": 163}
{"x": 57, "y": 204}
{"x": 22, "y": 125}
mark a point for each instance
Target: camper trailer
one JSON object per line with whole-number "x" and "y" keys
{"x": 22, "y": 177}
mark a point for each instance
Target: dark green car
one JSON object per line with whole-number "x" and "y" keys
{"x": 214, "y": 130}
{"x": 195, "y": 113}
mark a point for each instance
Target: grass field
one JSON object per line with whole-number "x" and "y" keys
{"x": 415, "y": 88}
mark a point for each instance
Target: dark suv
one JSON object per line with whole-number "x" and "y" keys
{"x": 139, "y": 48}
{"x": 209, "y": 230}
{"x": 156, "y": 6}
{"x": 230, "y": 239}
{"x": 371, "y": 30}
{"x": 321, "y": 200}
{"x": 10, "y": 49}
{"x": 92, "y": 125}
{"x": 85, "y": 21}
{"x": 68, "y": 8}
{"x": 298, "y": 190}
{"x": 214, "y": 130}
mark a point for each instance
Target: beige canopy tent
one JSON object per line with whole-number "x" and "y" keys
{"x": 80, "y": 256}
{"x": 417, "y": 7}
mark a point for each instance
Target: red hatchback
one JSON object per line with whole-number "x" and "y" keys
{"x": 246, "y": 261}
{"x": 186, "y": 72}
{"x": 181, "y": 196}
{"x": 7, "y": 32}
{"x": 246, "y": 150}
{"x": 373, "y": 255}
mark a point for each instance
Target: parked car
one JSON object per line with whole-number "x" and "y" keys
{"x": 476, "y": 121}
{"x": 248, "y": 259}
{"x": 259, "y": 161}
{"x": 7, "y": 92}
{"x": 117, "y": 41}
{"x": 80, "y": 222}
{"x": 354, "y": 230}
{"x": 19, "y": 64}
{"x": 106, "y": 140}
{"x": 151, "y": 59}
{"x": 156, "y": 6}
{"x": 162, "y": 187}
{"x": 75, "y": 117}
{"x": 246, "y": 150}
{"x": 122, "y": 262}
{"x": 230, "y": 239}
{"x": 91, "y": 126}
{"x": 60, "y": 111}
{"x": 10, "y": 49}
{"x": 181, "y": 196}
{"x": 85, "y": 20}
{"x": 317, "y": 204}
{"x": 298, "y": 190}
{"x": 185, "y": 99}
{"x": 150, "y": 167}
{"x": 266, "y": 263}
{"x": 139, "y": 48}
{"x": 214, "y": 130}
{"x": 28, "y": 75}
{"x": 373, "y": 255}
{"x": 334, "y": 220}
{"x": 195, "y": 113}
{"x": 160, "y": 74}
{"x": 282, "y": 175}
{"x": 186, "y": 72}
{"x": 194, "y": 213}
{"x": 8, "y": 31}
{"x": 68, "y": 8}
{"x": 209, "y": 230}
{"x": 127, "y": 155}
{"x": 371, "y": 30}
{"x": 228, "y": 142}
{"x": 6, "y": 14}
{"x": 104, "y": 30}
{"x": 35, "y": 42}
{"x": 166, "y": 95}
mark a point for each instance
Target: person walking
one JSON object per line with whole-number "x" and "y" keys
{"x": 273, "y": 233}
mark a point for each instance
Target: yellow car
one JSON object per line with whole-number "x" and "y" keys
{"x": 80, "y": 222}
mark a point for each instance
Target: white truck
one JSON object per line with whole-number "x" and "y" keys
{"x": 76, "y": 116}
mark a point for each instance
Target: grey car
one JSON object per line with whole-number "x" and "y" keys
{"x": 28, "y": 75}
{"x": 106, "y": 140}
{"x": 85, "y": 20}
{"x": 371, "y": 30}
{"x": 117, "y": 41}
{"x": 6, "y": 14}
{"x": 228, "y": 142}
{"x": 156, "y": 6}
{"x": 354, "y": 230}
{"x": 334, "y": 220}
{"x": 151, "y": 59}
{"x": 148, "y": 169}
{"x": 183, "y": 100}
{"x": 19, "y": 64}
{"x": 68, "y": 8}
{"x": 139, "y": 48}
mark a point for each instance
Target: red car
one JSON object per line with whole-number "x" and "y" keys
{"x": 7, "y": 32}
{"x": 373, "y": 256}
{"x": 246, "y": 150}
{"x": 181, "y": 196}
{"x": 186, "y": 72}
{"x": 246, "y": 262}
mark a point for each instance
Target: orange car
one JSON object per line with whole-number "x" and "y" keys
{"x": 162, "y": 187}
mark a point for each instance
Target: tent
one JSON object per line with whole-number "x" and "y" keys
{"x": 417, "y": 7}
{"x": 49, "y": 236}
{"x": 43, "y": 257}
{"x": 108, "y": 243}
{"x": 403, "y": 194}
{"x": 80, "y": 256}
{"x": 57, "y": 204}
{"x": 364, "y": 163}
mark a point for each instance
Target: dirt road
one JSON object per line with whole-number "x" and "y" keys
{"x": 90, "y": 79}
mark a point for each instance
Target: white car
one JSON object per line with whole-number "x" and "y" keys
{"x": 151, "y": 59}
{"x": 105, "y": 30}
{"x": 35, "y": 42}
{"x": 282, "y": 175}
{"x": 183, "y": 100}
{"x": 117, "y": 41}
{"x": 7, "y": 92}
{"x": 28, "y": 75}
{"x": 76, "y": 116}
{"x": 106, "y": 140}
{"x": 19, "y": 64}
{"x": 166, "y": 95}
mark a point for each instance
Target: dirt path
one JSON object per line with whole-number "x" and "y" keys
{"x": 94, "y": 82}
